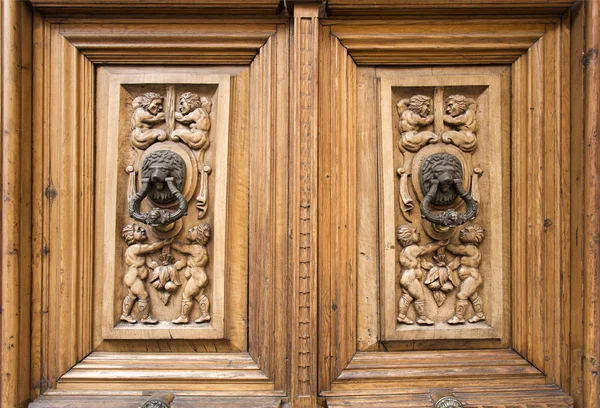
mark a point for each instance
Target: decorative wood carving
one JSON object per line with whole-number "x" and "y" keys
{"x": 195, "y": 260}
{"x": 460, "y": 115}
{"x": 304, "y": 128}
{"x": 411, "y": 275}
{"x": 137, "y": 261}
{"x": 439, "y": 165}
{"x": 176, "y": 139}
{"x": 415, "y": 114}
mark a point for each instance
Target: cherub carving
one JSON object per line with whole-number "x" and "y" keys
{"x": 468, "y": 261}
{"x": 137, "y": 263}
{"x": 460, "y": 114}
{"x": 193, "y": 113}
{"x": 194, "y": 262}
{"x": 415, "y": 113}
{"x": 411, "y": 273}
{"x": 147, "y": 112}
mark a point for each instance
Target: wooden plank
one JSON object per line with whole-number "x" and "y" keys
{"x": 445, "y": 7}
{"x": 591, "y": 226}
{"x": 65, "y": 7}
{"x": 15, "y": 208}
{"x": 304, "y": 203}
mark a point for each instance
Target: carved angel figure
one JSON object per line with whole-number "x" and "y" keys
{"x": 411, "y": 273}
{"x": 468, "y": 261}
{"x": 137, "y": 263}
{"x": 194, "y": 114}
{"x": 147, "y": 112}
{"x": 415, "y": 113}
{"x": 194, "y": 262}
{"x": 460, "y": 114}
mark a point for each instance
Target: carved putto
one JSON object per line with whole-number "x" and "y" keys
{"x": 147, "y": 114}
{"x": 468, "y": 260}
{"x": 439, "y": 161}
{"x": 460, "y": 115}
{"x": 178, "y": 129}
{"x": 411, "y": 274}
{"x": 195, "y": 261}
{"x": 193, "y": 115}
{"x": 415, "y": 114}
{"x": 138, "y": 261}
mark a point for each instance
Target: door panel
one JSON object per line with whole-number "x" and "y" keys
{"x": 353, "y": 181}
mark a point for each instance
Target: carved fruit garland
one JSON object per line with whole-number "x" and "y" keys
{"x": 165, "y": 278}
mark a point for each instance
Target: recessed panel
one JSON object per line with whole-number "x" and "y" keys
{"x": 165, "y": 206}
{"x": 444, "y": 206}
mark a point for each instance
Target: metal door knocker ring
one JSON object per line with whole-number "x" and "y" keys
{"x": 163, "y": 176}
{"x": 441, "y": 179}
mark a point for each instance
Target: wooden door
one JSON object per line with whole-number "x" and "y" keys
{"x": 300, "y": 203}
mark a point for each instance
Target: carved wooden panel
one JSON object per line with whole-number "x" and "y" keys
{"x": 444, "y": 204}
{"x": 165, "y": 202}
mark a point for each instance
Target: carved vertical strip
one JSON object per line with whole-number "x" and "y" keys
{"x": 304, "y": 125}
{"x": 591, "y": 274}
{"x": 15, "y": 157}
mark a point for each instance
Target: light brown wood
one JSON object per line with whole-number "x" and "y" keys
{"x": 113, "y": 135}
{"x": 541, "y": 236}
{"x": 303, "y": 254}
{"x": 64, "y": 171}
{"x": 591, "y": 226}
{"x": 304, "y": 203}
{"x": 577, "y": 46}
{"x": 269, "y": 273}
{"x": 337, "y": 215}
{"x": 491, "y": 154}
{"x": 15, "y": 208}
{"x": 387, "y": 7}
{"x": 158, "y": 6}
{"x": 479, "y": 42}
{"x": 181, "y": 43}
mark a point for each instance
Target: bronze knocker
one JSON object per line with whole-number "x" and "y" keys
{"x": 444, "y": 169}
{"x": 163, "y": 176}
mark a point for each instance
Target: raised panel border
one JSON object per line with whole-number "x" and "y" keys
{"x": 540, "y": 148}
{"x": 63, "y": 364}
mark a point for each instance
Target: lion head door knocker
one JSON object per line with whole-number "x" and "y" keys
{"x": 163, "y": 178}
{"x": 441, "y": 180}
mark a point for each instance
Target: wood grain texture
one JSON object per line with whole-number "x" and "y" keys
{"x": 444, "y": 42}
{"x": 387, "y": 7}
{"x": 541, "y": 223}
{"x": 577, "y": 49}
{"x": 516, "y": 396}
{"x": 304, "y": 205}
{"x": 160, "y": 371}
{"x": 591, "y": 226}
{"x": 64, "y": 316}
{"x": 268, "y": 226}
{"x": 63, "y": 206}
{"x": 337, "y": 214}
{"x": 15, "y": 206}
{"x": 63, "y": 7}
{"x": 135, "y": 401}
{"x": 160, "y": 43}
